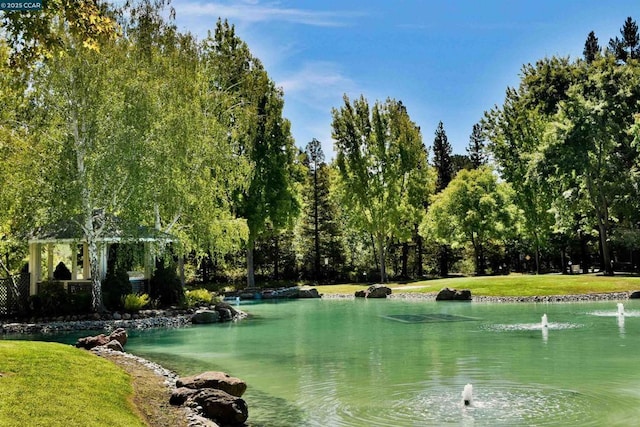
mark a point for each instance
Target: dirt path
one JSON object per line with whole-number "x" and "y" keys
{"x": 150, "y": 393}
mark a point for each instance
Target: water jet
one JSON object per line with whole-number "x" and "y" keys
{"x": 467, "y": 394}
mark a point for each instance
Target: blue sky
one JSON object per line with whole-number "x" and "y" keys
{"x": 447, "y": 60}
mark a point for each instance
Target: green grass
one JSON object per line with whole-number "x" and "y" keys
{"x": 512, "y": 285}
{"x": 50, "y": 384}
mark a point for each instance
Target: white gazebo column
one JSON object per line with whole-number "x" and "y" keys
{"x": 74, "y": 261}
{"x": 35, "y": 271}
{"x": 50, "y": 261}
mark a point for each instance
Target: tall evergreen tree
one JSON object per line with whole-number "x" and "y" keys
{"x": 591, "y": 48}
{"x": 316, "y": 158}
{"x": 442, "y": 158}
{"x": 476, "y": 148}
{"x": 258, "y": 131}
{"x": 443, "y": 163}
{"x": 629, "y": 46}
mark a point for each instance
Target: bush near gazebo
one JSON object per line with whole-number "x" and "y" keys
{"x": 165, "y": 286}
{"x": 54, "y": 300}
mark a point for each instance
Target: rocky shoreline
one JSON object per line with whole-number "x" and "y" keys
{"x": 610, "y": 296}
{"x": 181, "y": 318}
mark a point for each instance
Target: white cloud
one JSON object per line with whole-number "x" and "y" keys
{"x": 316, "y": 83}
{"x": 253, "y": 11}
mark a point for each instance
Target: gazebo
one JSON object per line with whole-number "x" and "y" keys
{"x": 45, "y": 239}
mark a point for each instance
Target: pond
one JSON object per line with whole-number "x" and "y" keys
{"x": 406, "y": 363}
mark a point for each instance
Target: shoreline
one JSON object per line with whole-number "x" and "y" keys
{"x": 178, "y": 319}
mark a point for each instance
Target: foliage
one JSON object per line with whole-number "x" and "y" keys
{"x": 442, "y": 158}
{"x": 591, "y": 48}
{"x": 382, "y": 168}
{"x": 134, "y": 302}
{"x": 259, "y": 132}
{"x": 475, "y": 208}
{"x": 165, "y": 285}
{"x": 196, "y": 297}
{"x": 476, "y": 149}
{"x": 101, "y": 390}
{"x": 42, "y": 34}
{"x": 54, "y": 300}
{"x": 319, "y": 246}
{"x": 116, "y": 286}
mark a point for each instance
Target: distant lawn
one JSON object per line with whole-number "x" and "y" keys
{"x": 50, "y": 384}
{"x": 512, "y": 285}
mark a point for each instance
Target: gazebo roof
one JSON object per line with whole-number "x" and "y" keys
{"x": 114, "y": 231}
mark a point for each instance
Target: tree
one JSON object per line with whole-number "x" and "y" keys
{"x": 258, "y": 131}
{"x": 316, "y": 158}
{"x": 516, "y": 134}
{"x": 443, "y": 163}
{"x": 589, "y": 151}
{"x": 119, "y": 133}
{"x": 474, "y": 208}
{"x": 591, "y": 48}
{"x": 442, "y": 158}
{"x": 629, "y": 46}
{"x": 475, "y": 149}
{"x": 380, "y": 158}
{"x": 43, "y": 33}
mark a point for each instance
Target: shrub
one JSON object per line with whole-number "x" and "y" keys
{"x": 116, "y": 285}
{"x": 198, "y": 297}
{"x": 165, "y": 286}
{"x": 135, "y": 302}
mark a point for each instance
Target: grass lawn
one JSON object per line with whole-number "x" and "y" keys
{"x": 511, "y": 285}
{"x": 50, "y": 384}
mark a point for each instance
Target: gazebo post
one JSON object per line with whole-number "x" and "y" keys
{"x": 35, "y": 271}
{"x": 50, "y": 261}
{"x": 74, "y": 261}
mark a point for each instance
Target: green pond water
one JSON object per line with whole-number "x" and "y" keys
{"x": 405, "y": 363}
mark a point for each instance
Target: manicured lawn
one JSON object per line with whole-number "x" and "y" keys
{"x": 512, "y": 285}
{"x": 49, "y": 384}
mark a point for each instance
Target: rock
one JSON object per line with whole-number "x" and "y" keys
{"x": 374, "y": 291}
{"x": 447, "y": 294}
{"x": 89, "y": 342}
{"x": 215, "y": 380}
{"x": 226, "y": 311}
{"x": 205, "y": 316}
{"x": 634, "y": 295}
{"x": 116, "y": 316}
{"x": 222, "y": 407}
{"x": 180, "y": 395}
{"x": 126, "y": 316}
{"x": 308, "y": 293}
{"x": 119, "y": 335}
{"x": 114, "y": 345}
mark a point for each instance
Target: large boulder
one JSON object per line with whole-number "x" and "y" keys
{"x": 92, "y": 341}
{"x": 215, "y": 380}
{"x": 308, "y": 293}
{"x": 374, "y": 291}
{"x": 634, "y": 295}
{"x": 119, "y": 335}
{"x": 447, "y": 294}
{"x": 222, "y": 407}
{"x": 226, "y": 311}
{"x": 205, "y": 316}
